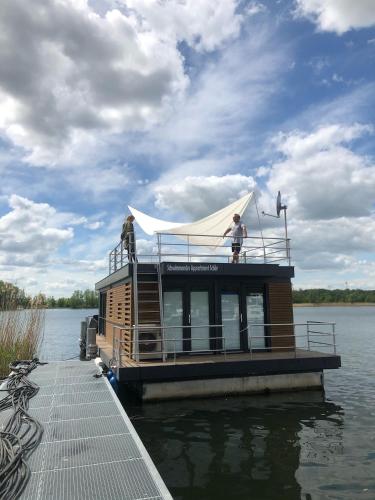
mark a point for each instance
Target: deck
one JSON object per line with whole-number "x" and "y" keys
{"x": 90, "y": 449}
{"x": 220, "y": 365}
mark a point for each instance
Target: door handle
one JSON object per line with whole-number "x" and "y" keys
{"x": 189, "y": 319}
{"x": 241, "y": 317}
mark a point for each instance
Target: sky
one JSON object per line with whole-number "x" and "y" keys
{"x": 179, "y": 107}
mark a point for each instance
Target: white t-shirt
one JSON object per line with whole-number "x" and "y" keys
{"x": 237, "y": 230}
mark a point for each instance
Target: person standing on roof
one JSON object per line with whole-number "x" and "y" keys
{"x": 128, "y": 237}
{"x": 238, "y": 232}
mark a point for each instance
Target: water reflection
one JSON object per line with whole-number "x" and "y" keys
{"x": 249, "y": 447}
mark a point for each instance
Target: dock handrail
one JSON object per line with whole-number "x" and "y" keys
{"x": 268, "y": 250}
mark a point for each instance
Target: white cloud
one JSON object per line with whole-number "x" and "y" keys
{"x": 94, "y": 225}
{"x": 340, "y": 236}
{"x": 29, "y": 234}
{"x": 338, "y": 15}
{"x": 205, "y": 25}
{"x": 69, "y": 73}
{"x": 321, "y": 176}
{"x": 255, "y": 8}
{"x": 39, "y": 250}
{"x": 329, "y": 190}
{"x": 86, "y": 265}
{"x": 200, "y": 196}
{"x": 215, "y": 125}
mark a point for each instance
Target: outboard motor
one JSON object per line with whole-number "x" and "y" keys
{"x": 92, "y": 330}
{"x": 87, "y": 343}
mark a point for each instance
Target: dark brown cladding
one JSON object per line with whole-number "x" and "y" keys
{"x": 280, "y": 304}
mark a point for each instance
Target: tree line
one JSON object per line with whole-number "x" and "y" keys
{"x": 11, "y": 296}
{"x": 324, "y": 296}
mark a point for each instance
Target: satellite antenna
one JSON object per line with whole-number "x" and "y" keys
{"x": 280, "y": 207}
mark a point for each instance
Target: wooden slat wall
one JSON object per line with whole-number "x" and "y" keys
{"x": 281, "y": 311}
{"x": 119, "y": 310}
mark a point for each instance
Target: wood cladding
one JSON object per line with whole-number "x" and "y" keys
{"x": 280, "y": 306}
{"x": 119, "y": 310}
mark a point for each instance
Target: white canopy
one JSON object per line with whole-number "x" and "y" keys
{"x": 150, "y": 225}
{"x": 210, "y": 228}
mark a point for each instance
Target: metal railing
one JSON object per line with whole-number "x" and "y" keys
{"x": 315, "y": 334}
{"x": 137, "y": 354}
{"x": 170, "y": 248}
{"x": 310, "y": 336}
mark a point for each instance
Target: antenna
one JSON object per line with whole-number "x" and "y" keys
{"x": 279, "y": 208}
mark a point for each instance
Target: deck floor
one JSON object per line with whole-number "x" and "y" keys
{"x": 211, "y": 358}
{"x": 90, "y": 449}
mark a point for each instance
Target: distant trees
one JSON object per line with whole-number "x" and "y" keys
{"x": 11, "y": 296}
{"x": 14, "y": 297}
{"x": 324, "y": 296}
{"x": 78, "y": 300}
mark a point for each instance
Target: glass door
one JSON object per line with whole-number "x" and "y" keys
{"x": 255, "y": 315}
{"x": 199, "y": 320}
{"x": 173, "y": 321}
{"x": 230, "y": 318}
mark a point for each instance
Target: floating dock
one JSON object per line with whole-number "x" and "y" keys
{"x": 90, "y": 448}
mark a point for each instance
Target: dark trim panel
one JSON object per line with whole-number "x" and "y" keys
{"x": 228, "y": 369}
{"x": 200, "y": 269}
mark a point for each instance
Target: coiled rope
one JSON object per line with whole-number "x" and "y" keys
{"x": 21, "y": 433}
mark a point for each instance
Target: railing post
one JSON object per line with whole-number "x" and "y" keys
{"x": 113, "y": 341}
{"x": 134, "y": 246}
{"x": 120, "y": 350}
{"x": 135, "y": 307}
{"x": 249, "y": 336}
{"x": 159, "y": 246}
{"x": 264, "y": 254}
{"x": 188, "y": 245}
{"x": 308, "y": 336}
{"x": 295, "y": 340}
{"x": 122, "y": 253}
{"x": 334, "y": 338}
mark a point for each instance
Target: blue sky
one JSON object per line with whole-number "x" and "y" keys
{"x": 178, "y": 108}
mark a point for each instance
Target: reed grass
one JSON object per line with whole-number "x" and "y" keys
{"x": 21, "y": 333}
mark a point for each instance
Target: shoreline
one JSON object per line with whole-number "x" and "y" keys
{"x": 335, "y": 304}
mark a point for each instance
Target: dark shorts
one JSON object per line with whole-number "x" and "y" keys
{"x": 236, "y": 247}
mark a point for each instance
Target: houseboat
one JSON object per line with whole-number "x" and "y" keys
{"x": 185, "y": 321}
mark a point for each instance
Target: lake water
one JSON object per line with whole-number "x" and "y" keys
{"x": 277, "y": 447}
{"x": 61, "y": 333}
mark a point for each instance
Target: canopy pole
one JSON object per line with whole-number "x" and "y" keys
{"x": 260, "y": 227}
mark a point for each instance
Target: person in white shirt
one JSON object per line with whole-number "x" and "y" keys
{"x": 238, "y": 232}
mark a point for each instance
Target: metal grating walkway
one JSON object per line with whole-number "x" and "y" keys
{"x": 90, "y": 449}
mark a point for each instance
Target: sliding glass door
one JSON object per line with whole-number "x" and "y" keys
{"x": 255, "y": 320}
{"x": 230, "y": 318}
{"x": 173, "y": 321}
{"x": 199, "y": 320}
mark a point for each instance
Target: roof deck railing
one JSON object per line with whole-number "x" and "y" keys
{"x": 195, "y": 249}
